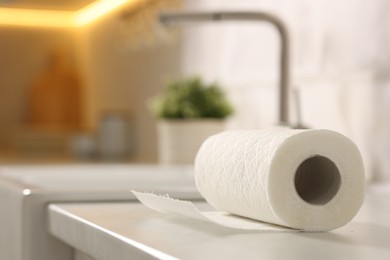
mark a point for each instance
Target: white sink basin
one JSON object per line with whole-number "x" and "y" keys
{"x": 25, "y": 192}
{"x": 98, "y": 177}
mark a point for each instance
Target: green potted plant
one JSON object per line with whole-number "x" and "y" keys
{"x": 189, "y": 110}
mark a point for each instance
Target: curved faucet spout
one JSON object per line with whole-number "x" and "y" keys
{"x": 182, "y": 17}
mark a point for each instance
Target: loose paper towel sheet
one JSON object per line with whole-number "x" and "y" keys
{"x": 187, "y": 209}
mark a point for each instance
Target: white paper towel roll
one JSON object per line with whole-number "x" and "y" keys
{"x": 304, "y": 179}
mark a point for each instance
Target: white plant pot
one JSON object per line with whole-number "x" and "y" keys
{"x": 180, "y": 140}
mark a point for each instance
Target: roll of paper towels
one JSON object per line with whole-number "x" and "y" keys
{"x": 304, "y": 179}
{"x": 310, "y": 180}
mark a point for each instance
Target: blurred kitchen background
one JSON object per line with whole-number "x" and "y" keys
{"x": 108, "y": 58}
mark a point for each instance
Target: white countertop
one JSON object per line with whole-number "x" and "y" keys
{"x": 26, "y": 190}
{"x": 132, "y": 231}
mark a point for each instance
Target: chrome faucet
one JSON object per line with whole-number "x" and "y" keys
{"x": 181, "y": 17}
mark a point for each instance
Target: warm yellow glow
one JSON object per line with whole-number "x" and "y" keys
{"x": 54, "y": 18}
{"x": 96, "y": 10}
{"x": 35, "y": 18}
